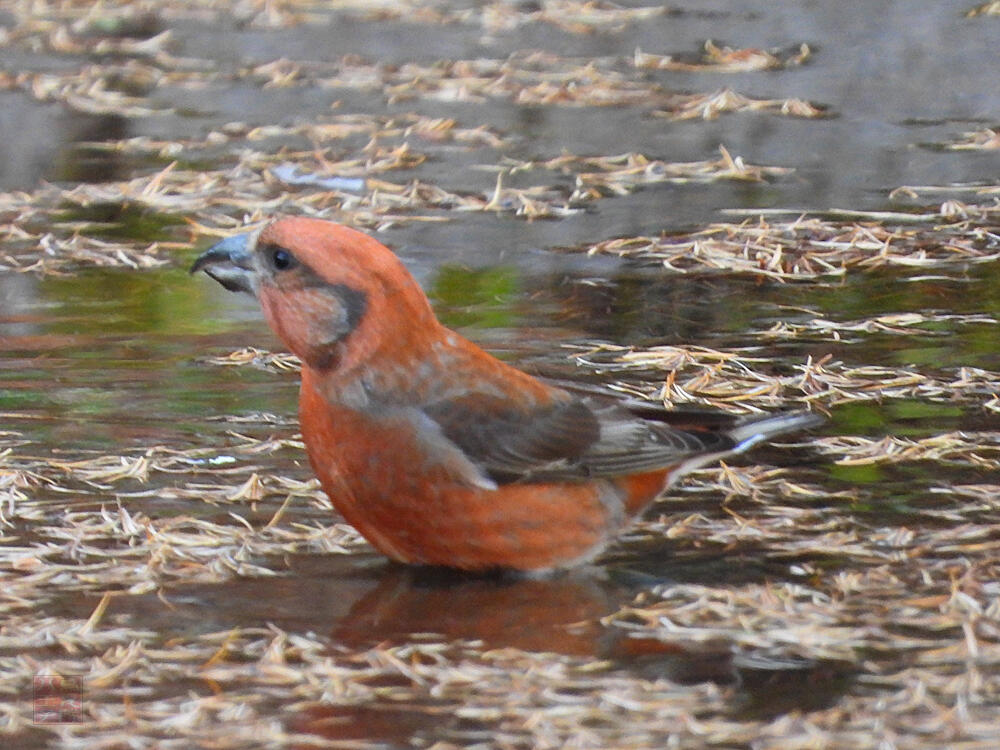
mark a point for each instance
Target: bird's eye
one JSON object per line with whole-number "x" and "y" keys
{"x": 280, "y": 258}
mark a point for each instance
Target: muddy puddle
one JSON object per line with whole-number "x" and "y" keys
{"x": 800, "y": 213}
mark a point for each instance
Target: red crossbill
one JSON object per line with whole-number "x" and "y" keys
{"x": 437, "y": 452}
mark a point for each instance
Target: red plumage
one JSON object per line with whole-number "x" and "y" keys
{"x": 435, "y": 451}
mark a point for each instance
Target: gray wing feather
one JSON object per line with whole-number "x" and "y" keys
{"x": 574, "y": 439}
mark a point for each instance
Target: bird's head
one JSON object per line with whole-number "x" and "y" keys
{"x": 333, "y": 295}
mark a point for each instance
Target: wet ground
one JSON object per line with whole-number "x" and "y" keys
{"x": 163, "y": 549}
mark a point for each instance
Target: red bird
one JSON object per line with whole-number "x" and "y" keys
{"x": 436, "y": 452}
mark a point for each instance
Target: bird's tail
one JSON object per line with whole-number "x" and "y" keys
{"x": 748, "y": 433}
{"x": 757, "y": 430}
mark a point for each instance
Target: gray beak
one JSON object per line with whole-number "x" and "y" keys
{"x": 229, "y": 262}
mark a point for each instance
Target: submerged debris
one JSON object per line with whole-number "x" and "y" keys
{"x": 980, "y": 140}
{"x": 44, "y": 236}
{"x": 725, "y": 60}
{"x": 840, "y": 593}
{"x": 736, "y": 381}
{"x": 710, "y": 106}
{"x": 624, "y": 173}
{"x": 986, "y": 9}
{"x": 814, "y": 248}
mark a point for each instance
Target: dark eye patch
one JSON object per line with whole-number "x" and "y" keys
{"x": 354, "y": 302}
{"x": 351, "y": 305}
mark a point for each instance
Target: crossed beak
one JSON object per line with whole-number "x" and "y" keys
{"x": 230, "y": 263}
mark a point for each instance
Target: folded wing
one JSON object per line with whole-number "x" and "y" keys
{"x": 573, "y": 438}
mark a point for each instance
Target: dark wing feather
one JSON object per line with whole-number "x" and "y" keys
{"x": 570, "y": 439}
{"x": 631, "y": 444}
{"x": 510, "y": 445}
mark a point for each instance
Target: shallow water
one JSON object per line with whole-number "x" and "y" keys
{"x": 115, "y": 361}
